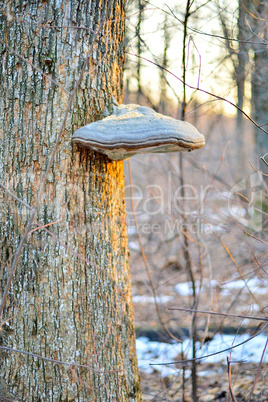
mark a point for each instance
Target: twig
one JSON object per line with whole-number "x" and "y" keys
{"x": 263, "y": 159}
{"x": 252, "y": 15}
{"x": 15, "y": 197}
{"x": 97, "y": 363}
{"x": 105, "y": 340}
{"x": 85, "y": 260}
{"x": 79, "y": 379}
{"x": 198, "y": 31}
{"x": 57, "y": 361}
{"x": 235, "y": 264}
{"x": 216, "y": 313}
{"x": 64, "y": 209}
{"x": 48, "y": 77}
{"x": 213, "y": 354}
{"x": 259, "y": 369}
{"x": 230, "y": 380}
{"x": 258, "y": 171}
{"x": 145, "y": 260}
{"x": 202, "y": 90}
{"x": 246, "y": 232}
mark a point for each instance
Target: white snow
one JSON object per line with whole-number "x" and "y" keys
{"x": 143, "y": 299}
{"x": 158, "y": 352}
{"x": 256, "y": 285}
{"x": 134, "y": 246}
{"x": 185, "y": 288}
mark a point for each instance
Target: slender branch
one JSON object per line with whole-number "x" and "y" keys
{"x": 258, "y": 371}
{"x": 48, "y": 77}
{"x": 73, "y": 252}
{"x": 57, "y": 361}
{"x": 198, "y": 31}
{"x": 264, "y": 160}
{"x": 202, "y": 90}
{"x": 96, "y": 358}
{"x": 213, "y": 354}
{"x": 145, "y": 261}
{"x": 250, "y": 317}
{"x": 230, "y": 380}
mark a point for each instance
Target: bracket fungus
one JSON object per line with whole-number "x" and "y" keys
{"x": 133, "y": 129}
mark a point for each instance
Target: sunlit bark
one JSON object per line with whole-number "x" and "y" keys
{"x": 70, "y": 299}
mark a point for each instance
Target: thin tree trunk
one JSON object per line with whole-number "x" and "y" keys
{"x": 70, "y": 299}
{"x": 259, "y": 82}
{"x": 240, "y": 79}
{"x": 242, "y": 59}
{"x": 186, "y": 253}
{"x": 141, "y": 6}
{"x": 164, "y": 64}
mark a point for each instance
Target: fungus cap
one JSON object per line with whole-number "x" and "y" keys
{"x": 134, "y": 129}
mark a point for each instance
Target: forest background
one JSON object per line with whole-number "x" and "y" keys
{"x": 198, "y": 223}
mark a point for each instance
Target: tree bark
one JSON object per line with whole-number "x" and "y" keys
{"x": 259, "y": 80}
{"x": 70, "y": 298}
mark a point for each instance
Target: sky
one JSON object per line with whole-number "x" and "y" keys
{"x": 208, "y": 67}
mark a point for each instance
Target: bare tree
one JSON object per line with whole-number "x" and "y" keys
{"x": 64, "y": 254}
{"x": 241, "y": 66}
{"x": 163, "y": 80}
{"x": 258, "y": 22}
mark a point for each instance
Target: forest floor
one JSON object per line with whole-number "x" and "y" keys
{"x": 212, "y": 384}
{"x": 213, "y": 379}
{"x": 225, "y": 293}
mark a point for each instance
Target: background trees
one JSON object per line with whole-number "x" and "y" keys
{"x": 62, "y": 222}
{"x": 258, "y": 25}
{"x": 224, "y": 200}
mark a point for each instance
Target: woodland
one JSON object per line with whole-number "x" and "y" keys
{"x": 197, "y": 222}
{"x": 144, "y": 279}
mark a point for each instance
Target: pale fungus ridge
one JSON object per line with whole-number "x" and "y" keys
{"x": 134, "y": 129}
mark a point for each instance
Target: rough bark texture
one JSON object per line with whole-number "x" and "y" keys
{"x": 61, "y": 306}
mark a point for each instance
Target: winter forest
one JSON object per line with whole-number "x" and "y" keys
{"x": 141, "y": 277}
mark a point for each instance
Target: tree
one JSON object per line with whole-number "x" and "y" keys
{"x": 70, "y": 297}
{"x": 259, "y": 86}
{"x": 240, "y": 76}
{"x": 251, "y": 35}
{"x": 240, "y": 66}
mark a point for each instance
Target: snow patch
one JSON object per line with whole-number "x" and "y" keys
{"x": 186, "y": 288}
{"x": 158, "y": 352}
{"x": 143, "y": 299}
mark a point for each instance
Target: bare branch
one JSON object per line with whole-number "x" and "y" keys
{"x": 250, "y": 317}
{"x": 212, "y": 354}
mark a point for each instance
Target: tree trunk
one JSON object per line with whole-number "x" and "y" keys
{"x": 70, "y": 299}
{"x": 164, "y": 64}
{"x": 240, "y": 79}
{"x": 259, "y": 83}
